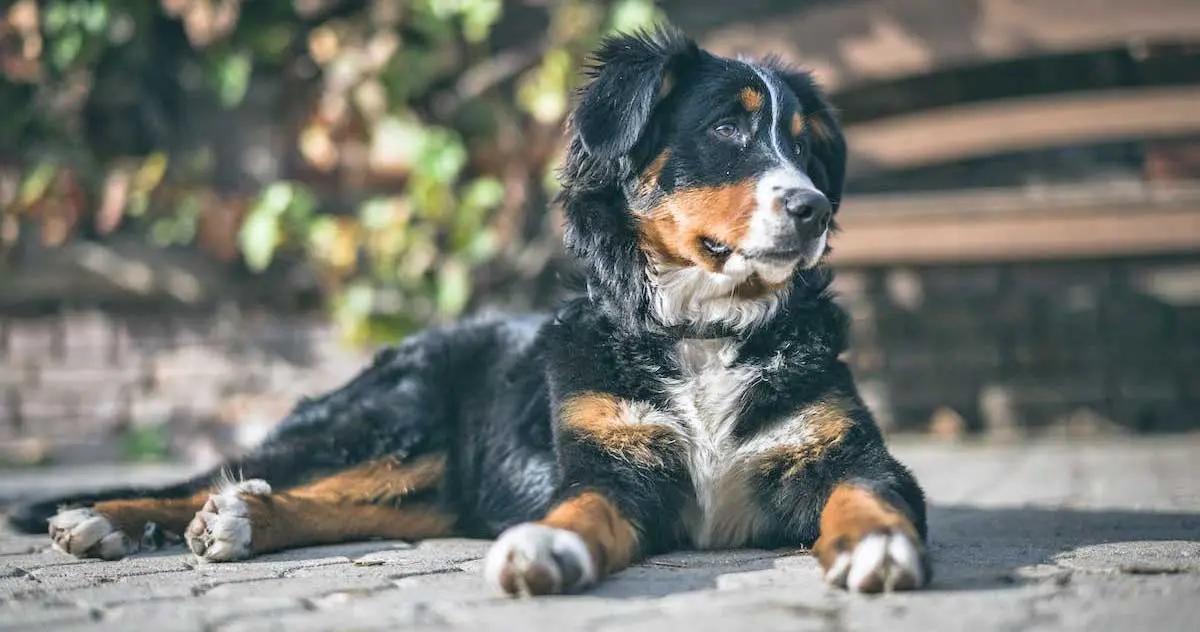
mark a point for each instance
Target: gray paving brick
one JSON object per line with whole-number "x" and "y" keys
{"x": 1044, "y": 536}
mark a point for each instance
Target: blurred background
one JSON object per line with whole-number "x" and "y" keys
{"x": 211, "y": 207}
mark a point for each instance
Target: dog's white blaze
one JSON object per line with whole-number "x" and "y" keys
{"x": 768, "y": 221}
{"x": 776, "y": 110}
{"x": 708, "y": 400}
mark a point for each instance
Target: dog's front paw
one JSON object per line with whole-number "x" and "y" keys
{"x": 87, "y": 533}
{"x": 533, "y": 559}
{"x": 882, "y": 560}
{"x": 221, "y": 531}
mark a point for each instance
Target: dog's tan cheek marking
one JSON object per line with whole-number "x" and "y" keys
{"x": 363, "y": 502}
{"x": 610, "y": 537}
{"x": 672, "y": 229}
{"x": 601, "y": 419}
{"x": 850, "y": 514}
{"x": 751, "y": 99}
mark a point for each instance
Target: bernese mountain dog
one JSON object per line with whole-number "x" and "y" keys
{"x": 692, "y": 397}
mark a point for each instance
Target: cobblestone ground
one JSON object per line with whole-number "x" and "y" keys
{"x": 1042, "y": 537}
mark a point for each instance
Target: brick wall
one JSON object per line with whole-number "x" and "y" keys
{"x": 1004, "y": 350}
{"x": 1030, "y": 348}
{"x": 78, "y": 385}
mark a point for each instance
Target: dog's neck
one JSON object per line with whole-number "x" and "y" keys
{"x": 695, "y": 303}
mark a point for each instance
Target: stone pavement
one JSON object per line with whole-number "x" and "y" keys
{"x": 1048, "y": 536}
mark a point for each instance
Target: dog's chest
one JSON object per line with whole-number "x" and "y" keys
{"x": 708, "y": 399}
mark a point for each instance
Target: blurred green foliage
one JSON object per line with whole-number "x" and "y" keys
{"x": 400, "y": 116}
{"x": 151, "y": 442}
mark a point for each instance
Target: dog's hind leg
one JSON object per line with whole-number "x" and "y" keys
{"x": 112, "y": 529}
{"x": 111, "y": 524}
{"x": 385, "y": 498}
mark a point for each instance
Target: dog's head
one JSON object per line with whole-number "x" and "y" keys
{"x": 728, "y": 171}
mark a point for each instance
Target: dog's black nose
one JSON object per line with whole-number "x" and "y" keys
{"x": 810, "y": 208}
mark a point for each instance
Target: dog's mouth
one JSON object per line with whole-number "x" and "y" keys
{"x": 772, "y": 256}
{"x": 781, "y": 262}
{"x": 773, "y": 264}
{"x": 716, "y": 248}
{"x": 777, "y": 255}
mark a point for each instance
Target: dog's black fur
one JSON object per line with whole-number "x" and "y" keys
{"x": 488, "y": 393}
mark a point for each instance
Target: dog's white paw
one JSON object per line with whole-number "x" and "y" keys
{"x": 533, "y": 559}
{"x": 220, "y": 532}
{"x": 884, "y": 560}
{"x": 87, "y": 533}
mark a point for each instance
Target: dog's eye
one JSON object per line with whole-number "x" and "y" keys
{"x": 715, "y": 248}
{"x": 726, "y": 130}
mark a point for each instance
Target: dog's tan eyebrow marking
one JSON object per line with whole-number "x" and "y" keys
{"x": 797, "y": 124}
{"x": 751, "y": 99}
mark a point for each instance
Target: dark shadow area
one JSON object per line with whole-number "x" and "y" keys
{"x": 351, "y": 550}
{"x": 973, "y": 548}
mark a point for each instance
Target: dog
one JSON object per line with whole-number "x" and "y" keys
{"x": 692, "y": 395}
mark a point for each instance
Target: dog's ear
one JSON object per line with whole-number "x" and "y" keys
{"x": 630, "y": 74}
{"x": 827, "y": 156}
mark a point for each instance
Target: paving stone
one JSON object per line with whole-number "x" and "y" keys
{"x": 202, "y": 613}
{"x": 43, "y": 615}
{"x": 1044, "y": 536}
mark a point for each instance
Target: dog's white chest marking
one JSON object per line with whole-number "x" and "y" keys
{"x": 708, "y": 399}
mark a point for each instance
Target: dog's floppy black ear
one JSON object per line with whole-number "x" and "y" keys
{"x": 629, "y": 75}
{"x": 827, "y": 157}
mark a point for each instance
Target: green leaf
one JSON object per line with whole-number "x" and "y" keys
{"x": 301, "y": 206}
{"x": 544, "y": 91}
{"x": 481, "y": 248}
{"x": 57, "y": 15}
{"x": 478, "y": 18}
{"x": 275, "y": 199}
{"x": 632, "y": 15}
{"x": 258, "y": 239}
{"x": 95, "y": 17}
{"x": 478, "y": 198}
{"x": 352, "y": 307}
{"x": 453, "y": 287}
{"x": 150, "y": 173}
{"x": 66, "y": 49}
{"x": 137, "y": 205}
{"x": 232, "y": 78}
{"x": 483, "y": 193}
{"x": 398, "y": 141}
{"x": 146, "y": 442}
{"x": 180, "y": 227}
{"x": 382, "y": 213}
{"x": 442, "y": 157}
{"x": 36, "y": 183}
